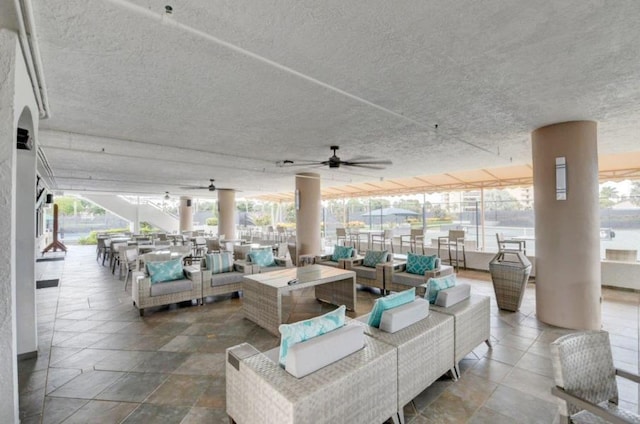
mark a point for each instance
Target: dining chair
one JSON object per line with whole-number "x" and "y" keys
{"x": 504, "y": 245}
{"x": 130, "y": 256}
{"x": 454, "y": 241}
{"x": 341, "y": 234}
{"x": 381, "y": 239}
{"x": 413, "y": 239}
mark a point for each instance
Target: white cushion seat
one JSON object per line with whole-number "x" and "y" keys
{"x": 226, "y": 278}
{"x": 171, "y": 287}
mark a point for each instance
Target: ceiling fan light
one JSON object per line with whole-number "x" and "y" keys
{"x": 166, "y": 195}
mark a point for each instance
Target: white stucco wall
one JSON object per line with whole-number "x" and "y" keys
{"x": 26, "y": 325}
{"x": 8, "y": 350}
{"x": 17, "y": 304}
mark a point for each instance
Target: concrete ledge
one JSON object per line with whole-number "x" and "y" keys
{"x": 621, "y": 274}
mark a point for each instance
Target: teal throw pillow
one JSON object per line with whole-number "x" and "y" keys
{"x": 262, "y": 257}
{"x": 437, "y": 284}
{"x": 388, "y": 302}
{"x": 341, "y": 252}
{"x": 418, "y": 264}
{"x": 308, "y": 329}
{"x": 218, "y": 263}
{"x": 374, "y": 257}
{"x": 160, "y": 272}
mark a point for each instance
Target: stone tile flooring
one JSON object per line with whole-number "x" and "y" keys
{"x": 100, "y": 362}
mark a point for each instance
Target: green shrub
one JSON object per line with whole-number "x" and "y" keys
{"x": 212, "y": 221}
{"x": 92, "y": 238}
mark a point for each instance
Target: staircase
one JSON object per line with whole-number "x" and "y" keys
{"x": 147, "y": 212}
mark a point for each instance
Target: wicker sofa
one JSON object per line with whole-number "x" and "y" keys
{"x": 145, "y": 294}
{"x": 359, "y": 388}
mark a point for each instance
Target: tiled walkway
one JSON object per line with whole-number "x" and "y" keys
{"x": 99, "y": 362}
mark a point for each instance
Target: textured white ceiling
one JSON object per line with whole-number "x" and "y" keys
{"x": 146, "y": 103}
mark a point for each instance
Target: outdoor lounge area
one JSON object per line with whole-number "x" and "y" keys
{"x": 319, "y": 212}
{"x": 99, "y": 361}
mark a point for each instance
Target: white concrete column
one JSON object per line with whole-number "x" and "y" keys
{"x": 568, "y": 286}
{"x": 308, "y": 213}
{"x": 227, "y": 213}
{"x": 186, "y": 213}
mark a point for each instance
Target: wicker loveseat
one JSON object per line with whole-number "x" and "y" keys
{"x": 145, "y": 294}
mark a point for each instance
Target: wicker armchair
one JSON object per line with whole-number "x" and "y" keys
{"x": 585, "y": 379}
{"x": 144, "y": 293}
{"x": 327, "y": 261}
{"x": 225, "y": 282}
{"x": 366, "y": 276}
{"x": 397, "y": 279}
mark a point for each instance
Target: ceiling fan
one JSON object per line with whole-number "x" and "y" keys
{"x": 335, "y": 162}
{"x": 210, "y": 187}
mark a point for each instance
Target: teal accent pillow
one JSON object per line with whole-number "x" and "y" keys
{"x": 341, "y": 252}
{"x": 218, "y": 263}
{"x": 308, "y": 329}
{"x": 388, "y": 302}
{"x": 437, "y": 284}
{"x": 418, "y": 264}
{"x": 160, "y": 272}
{"x": 262, "y": 257}
{"x": 374, "y": 257}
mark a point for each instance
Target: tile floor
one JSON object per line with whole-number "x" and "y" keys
{"x": 99, "y": 362}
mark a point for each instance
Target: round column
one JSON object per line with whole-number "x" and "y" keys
{"x": 308, "y": 214}
{"x": 186, "y": 214}
{"x": 568, "y": 287}
{"x": 227, "y": 214}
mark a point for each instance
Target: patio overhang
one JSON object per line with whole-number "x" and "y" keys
{"x": 618, "y": 167}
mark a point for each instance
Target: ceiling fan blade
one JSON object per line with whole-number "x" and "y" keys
{"x": 359, "y": 158}
{"x": 367, "y": 162}
{"x": 361, "y": 165}
{"x": 194, "y": 187}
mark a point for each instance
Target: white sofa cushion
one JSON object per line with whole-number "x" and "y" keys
{"x": 403, "y": 316}
{"x": 311, "y": 355}
{"x": 453, "y": 295}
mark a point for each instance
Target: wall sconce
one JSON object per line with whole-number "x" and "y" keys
{"x": 49, "y": 198}
{"x": 188, "y": 203}
{"x": 297, "y": 199}
{"x": 561, "y": 178}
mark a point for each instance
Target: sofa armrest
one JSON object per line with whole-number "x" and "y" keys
{"x": 351, "y": 262}
{"x": 322, "y": 258}
{"x": 140, "y": 287}
{"x": 244, "y": 267}
{"x": 283, "y": 262}
{"x": 193, "y": 273}
{"x": 206, "y": 275}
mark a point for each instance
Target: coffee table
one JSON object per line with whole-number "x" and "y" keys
{"x": 262, "y": 293}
